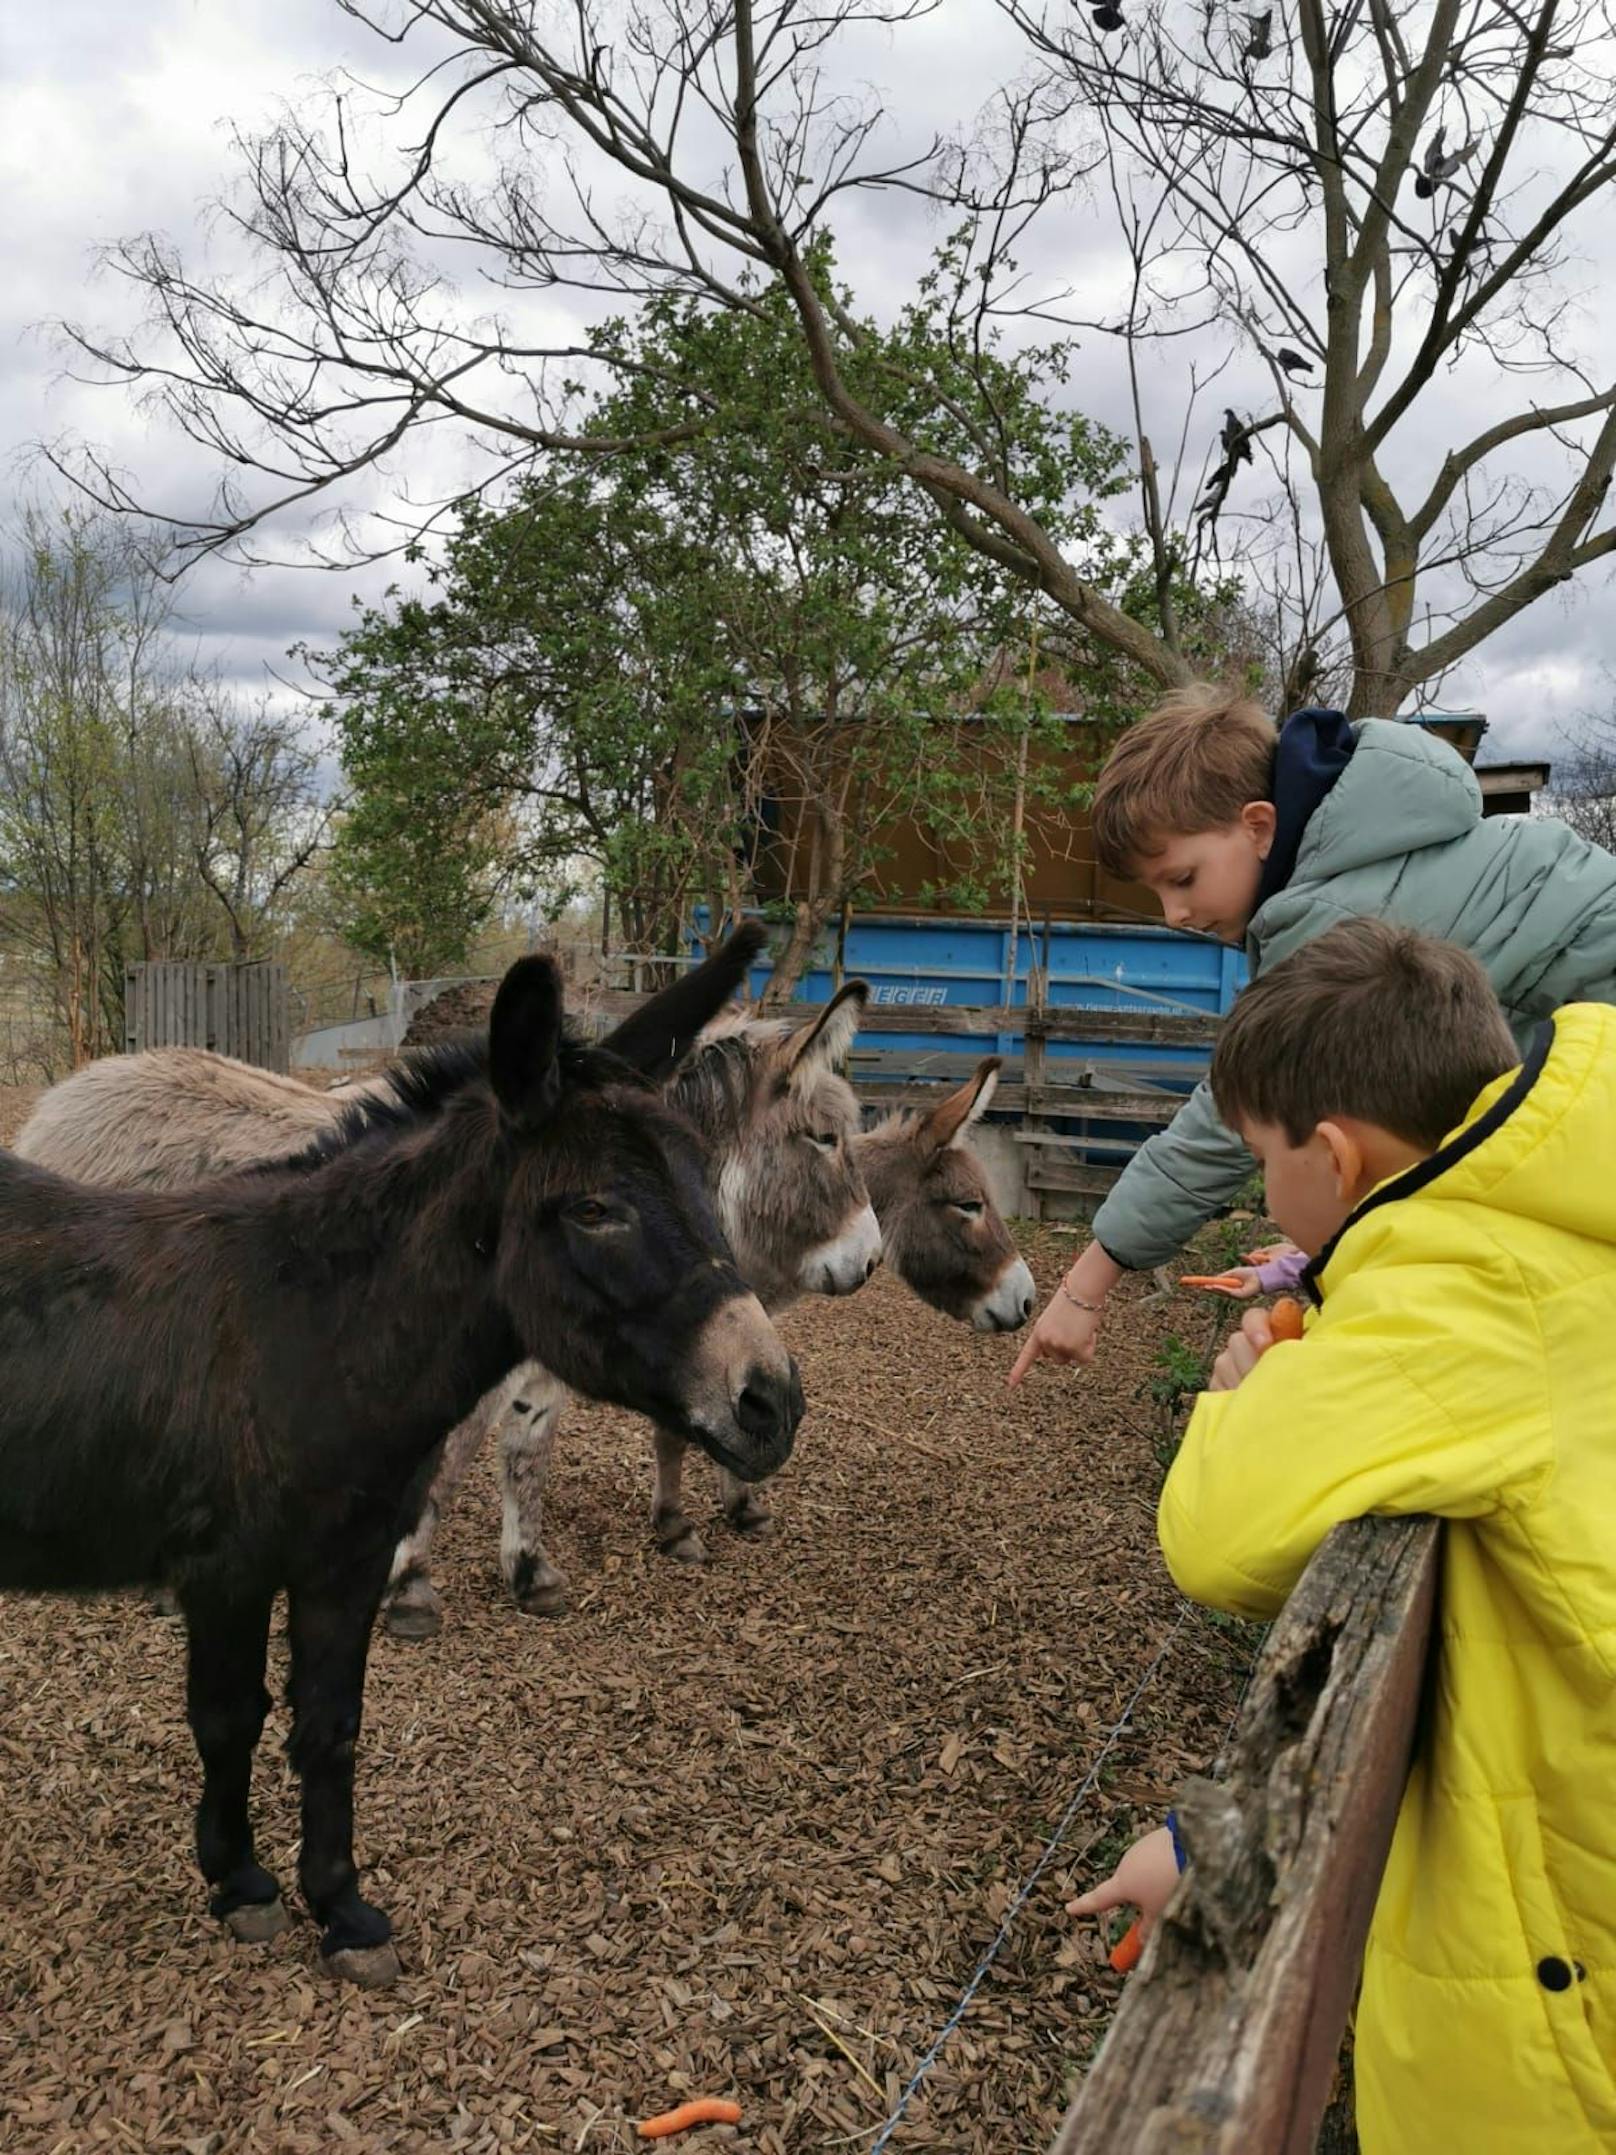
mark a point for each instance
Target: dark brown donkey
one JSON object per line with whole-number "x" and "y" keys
{"x": 786, "y": 1163}
{"x": 243, "y": 1386}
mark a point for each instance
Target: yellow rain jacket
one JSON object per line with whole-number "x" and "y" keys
{"x": 1463, "y": 1362}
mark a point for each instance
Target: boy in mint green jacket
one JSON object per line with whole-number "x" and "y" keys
{"x": 1267, "y": 840}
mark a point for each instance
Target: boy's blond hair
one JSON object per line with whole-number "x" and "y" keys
{"x": 1190, "y": 765}
{"x": 1369, "y": 1020}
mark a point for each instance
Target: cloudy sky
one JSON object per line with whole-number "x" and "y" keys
{"x": 115, "y": 119}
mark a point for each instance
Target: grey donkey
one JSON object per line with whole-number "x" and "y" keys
{"x": 943, "y": 1236}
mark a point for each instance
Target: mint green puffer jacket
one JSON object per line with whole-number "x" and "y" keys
{"x": 1400, "y": 835}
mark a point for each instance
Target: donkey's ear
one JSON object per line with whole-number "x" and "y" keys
{"x": 949, "y": 1122}
{"x": 524, "y": 1042}
{"x": 661, "y": 1033}
{"x": 824, "y": 1044}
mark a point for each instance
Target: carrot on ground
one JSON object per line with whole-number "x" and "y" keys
{"x": 706, "y": 2110}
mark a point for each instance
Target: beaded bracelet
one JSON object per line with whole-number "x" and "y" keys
{"x": 1094, "y": 1309}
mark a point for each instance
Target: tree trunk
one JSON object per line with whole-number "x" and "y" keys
{"x": 808, "y": 917}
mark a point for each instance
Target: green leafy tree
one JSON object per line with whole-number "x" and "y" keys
{"x": 640, "y": 662}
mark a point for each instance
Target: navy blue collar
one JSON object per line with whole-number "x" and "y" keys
{"x": 1314, "y": 748}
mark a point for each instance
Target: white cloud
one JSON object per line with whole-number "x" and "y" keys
{"x": 115, "y": 119}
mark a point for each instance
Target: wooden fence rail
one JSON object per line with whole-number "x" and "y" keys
{"x": 1082, "y": 1119}
{"x": 1055, "y": 1021}
{"x": 1228, "y": 2033}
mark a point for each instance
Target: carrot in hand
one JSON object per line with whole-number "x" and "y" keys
{"x": 1285, "y": 1318}
{"x": 1124, "y": 1955}
{"x": 1221, "y": 1281}
{"x": 706, "y": 2110}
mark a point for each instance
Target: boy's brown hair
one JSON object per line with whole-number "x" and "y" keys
{"x": 1369, "y": 1020}
{"x": 1190, "y": 765}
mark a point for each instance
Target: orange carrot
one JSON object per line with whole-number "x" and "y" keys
{"x": 1285, "y": 1318}
{"x": 1217, "y": 1280}
{"x": 1125, "y": 1953}
{"x": 706, "y": 2110}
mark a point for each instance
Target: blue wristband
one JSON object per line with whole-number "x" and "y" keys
{"x": 1179, "y": 1856}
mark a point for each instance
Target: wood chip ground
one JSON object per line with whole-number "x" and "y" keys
{"x": 744, "y": 1831}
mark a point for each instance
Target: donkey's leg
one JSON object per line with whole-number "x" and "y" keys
{"x": 743, "y": 1507}
{"x": 412, "y": 1609}
{"x": 329, "y": 1624}
{"x": 675, "y": 1534}
{"x": 225, "y": 1702}
{"x": 526, "y": 1440}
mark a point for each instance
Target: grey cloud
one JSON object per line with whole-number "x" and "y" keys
{"x": 114, "y": 119}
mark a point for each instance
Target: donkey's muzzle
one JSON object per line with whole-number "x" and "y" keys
{"x": 767, "y": 1412}
{"x": 743, "y": 1396}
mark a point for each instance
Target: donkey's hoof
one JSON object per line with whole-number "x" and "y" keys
{"x": 755, "y": 1524}
{"x": 256, "y": 1922}
{"x": 537, "y": 1588}
{"x": 372, "y": 1967}
{"x": 415, "y": 1612}
{"x": 163, "y": 1601}
{"x": 549, "y": 1597}
{"x": 684, "y": 1545}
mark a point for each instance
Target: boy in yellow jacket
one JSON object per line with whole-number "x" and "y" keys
{"x": 1461, "y": 1213}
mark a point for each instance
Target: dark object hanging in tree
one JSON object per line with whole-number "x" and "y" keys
{"x": 1217, "y": 488}
{"x": 1107, "y": 16}
{"x": 1259, "y": 37}
{"x": 1235, "y": 440}
{"x": 1294, "y": 363}
{"x": 1480, "y": 248}
{"x": 1439, "y": 164}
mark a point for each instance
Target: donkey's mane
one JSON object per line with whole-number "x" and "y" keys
{"x": 423, "y": 1083}
{"x": 712, "y": 1084}
{"x": 898, "y": 1122}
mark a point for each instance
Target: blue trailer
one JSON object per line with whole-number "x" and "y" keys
{"x": 924, "y": 960}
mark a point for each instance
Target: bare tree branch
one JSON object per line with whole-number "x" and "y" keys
{"x": 1368, "y": 200}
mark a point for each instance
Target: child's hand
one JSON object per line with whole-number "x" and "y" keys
{"x": 1064, "y": 1333}
{"x": 1239, "y": 1283}
{"x": 1269, "y": 1251}
{"x": 1144, "y": 1879}
{"x": 1244, "y": 1351}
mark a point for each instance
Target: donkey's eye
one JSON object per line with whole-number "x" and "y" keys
{"x": 588, "y": 1212}
{"x": 970, "y": 1206}
{"x": 826, "y": 1140}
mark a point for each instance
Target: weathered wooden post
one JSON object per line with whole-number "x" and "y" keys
{"x": 1035, "y": 1071}
{"x": 1227, "y": 2036}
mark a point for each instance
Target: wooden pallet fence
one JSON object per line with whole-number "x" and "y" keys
{"x": 1060, "y": 1021}
{"x": 1228, "y": 2033}
{"x": 239, "y": 1010}
{"x": 1080, "y": 1120}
